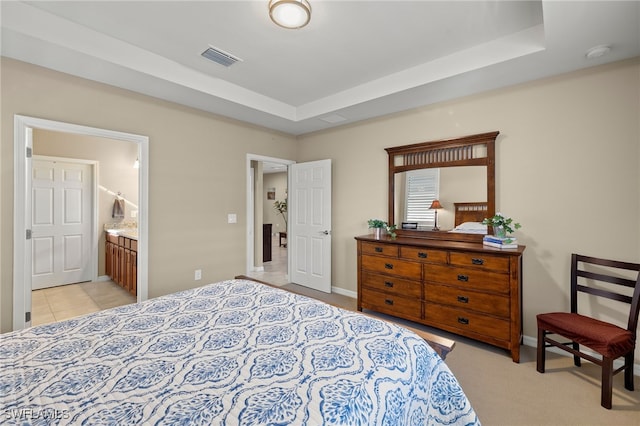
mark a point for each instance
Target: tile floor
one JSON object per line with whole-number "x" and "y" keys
{"x": 68, "y": 301}
{"x": 275, "y": 271}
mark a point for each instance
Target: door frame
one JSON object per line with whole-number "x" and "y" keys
{"x": 23, "y": 126}
{"x": 250, "y": 265}
{"x": 94, "y": 238}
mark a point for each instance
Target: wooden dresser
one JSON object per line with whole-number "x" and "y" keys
{"x": 460, "y": 287}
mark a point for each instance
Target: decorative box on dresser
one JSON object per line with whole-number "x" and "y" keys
{"x": 461, "y": 287}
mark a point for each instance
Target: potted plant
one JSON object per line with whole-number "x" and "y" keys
{"x": 281, "y": 207}
{"x": 380, "y": 225}
{"x": 502, "y": 226}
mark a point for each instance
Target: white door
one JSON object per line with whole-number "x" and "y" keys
{"x": 61, "y": 223}
{"x": 310, "y": 224}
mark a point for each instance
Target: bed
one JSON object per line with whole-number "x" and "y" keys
{"x": 235, "y": 352}
{"x": 468, "y": 217}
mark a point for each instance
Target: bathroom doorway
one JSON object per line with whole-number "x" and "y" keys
{"x": 23, "y": 250}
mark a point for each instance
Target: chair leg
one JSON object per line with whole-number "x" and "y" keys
{"x": 540, "y": 351}
{"x": 607, "y": 382}
{"x": 628, "y": 371}
{"x": 576, "y": 359}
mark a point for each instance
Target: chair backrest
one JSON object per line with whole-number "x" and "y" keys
{"x": 579, "y": 266}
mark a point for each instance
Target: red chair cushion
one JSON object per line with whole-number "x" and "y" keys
{"x": 607, "y": 339}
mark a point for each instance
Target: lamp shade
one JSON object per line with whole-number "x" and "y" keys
{"x": 435, "y": 205}
{"x": 290, "y": 14}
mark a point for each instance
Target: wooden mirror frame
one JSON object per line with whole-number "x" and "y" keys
{"x": 443, "y": 153}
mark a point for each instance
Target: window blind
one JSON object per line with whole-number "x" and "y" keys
{"x": 422, "y": 187}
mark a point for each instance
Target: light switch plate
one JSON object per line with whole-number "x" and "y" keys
{"x": 232, "y": 218}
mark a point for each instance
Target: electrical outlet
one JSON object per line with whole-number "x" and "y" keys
{"x": 198, "y": 274}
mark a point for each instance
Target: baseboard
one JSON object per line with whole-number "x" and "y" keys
{"x": 103, "y": 278}
{"x": 344, "y": 292}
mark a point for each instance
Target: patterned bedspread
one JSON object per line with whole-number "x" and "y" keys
{"x": 230, "y": 353}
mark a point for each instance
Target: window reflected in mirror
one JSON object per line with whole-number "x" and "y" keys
{"x": 416, "y": 190}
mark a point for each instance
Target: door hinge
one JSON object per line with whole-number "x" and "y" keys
{"x": 28, "y": 234}
{"x": 27, "y": 316}
{"x": 29, "y": 152}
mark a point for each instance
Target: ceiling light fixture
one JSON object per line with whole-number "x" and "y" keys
{"x": 290, "y": 14}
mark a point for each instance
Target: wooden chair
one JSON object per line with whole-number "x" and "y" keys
{"x": 608, "y": 340}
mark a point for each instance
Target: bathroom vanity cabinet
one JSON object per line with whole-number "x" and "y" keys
{"x": 122, "y": 261}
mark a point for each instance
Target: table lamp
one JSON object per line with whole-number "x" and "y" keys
{"x": 435, "y": 205}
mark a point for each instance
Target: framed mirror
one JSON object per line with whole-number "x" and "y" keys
{"x": 459, "y": 173}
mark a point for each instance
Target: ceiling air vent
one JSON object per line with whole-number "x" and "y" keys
{"x": 220, "y": 56}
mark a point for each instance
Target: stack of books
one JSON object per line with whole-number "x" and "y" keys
{"x": 500, "y": 242}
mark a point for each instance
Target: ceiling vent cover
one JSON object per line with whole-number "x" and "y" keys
{"x": 220, "y": 56}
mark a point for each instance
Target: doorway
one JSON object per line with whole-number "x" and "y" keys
{"x": 23, "y": 257}
{"x": 267, "y": 183}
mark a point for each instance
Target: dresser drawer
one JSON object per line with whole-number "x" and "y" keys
{"x": 480, "y": 260}
{"x": 399, "y": 306}
{"x": 468, "y": 278}
{"x": 403, "y": 268}
{"x": 112, "y": 238}
{"x": 392, "y": 285}
{"x": 379, "y": 249}
{"x": 463, "y": 320}
{"x": 467, "y": 299}
{"x": 423, "y": 254}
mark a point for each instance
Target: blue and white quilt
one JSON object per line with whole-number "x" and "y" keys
{"x": 230, "y": 353}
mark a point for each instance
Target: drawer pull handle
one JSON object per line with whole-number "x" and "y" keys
{"x": 388, "y": 265}
{"x": 463, "y": 299}
{"x": 388, "y": 284}
{"x": 422, "y": 255}
{"x": 463, "y": 320}
{"x": 378, "y": 249}
{"x": 476, "y": 261}
{"x": 463, "y": 278}
{"x": 388, "y": 301}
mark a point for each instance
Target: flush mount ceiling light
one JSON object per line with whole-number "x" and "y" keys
{"x": 290, "y": 14}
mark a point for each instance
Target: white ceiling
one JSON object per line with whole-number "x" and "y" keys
{"x": 355, "y": 60}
